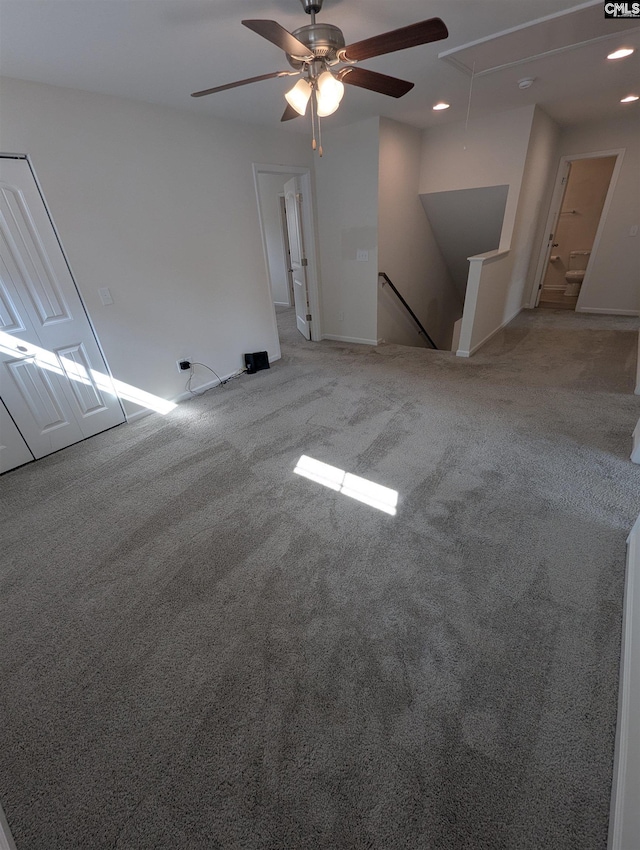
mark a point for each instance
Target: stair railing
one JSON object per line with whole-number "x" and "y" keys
{"x": 422, "y": 330}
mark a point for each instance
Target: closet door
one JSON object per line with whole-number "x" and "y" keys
{"x": 53, "y": 379}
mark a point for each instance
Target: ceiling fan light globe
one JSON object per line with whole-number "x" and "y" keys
{"x": 329, "y": 94}
{"x": 323, "y": 109}
{"x": 298, "y": 96}
{"x": 329, "y": 86}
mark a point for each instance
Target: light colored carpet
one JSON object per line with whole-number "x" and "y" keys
{"x": 201, "y": 649}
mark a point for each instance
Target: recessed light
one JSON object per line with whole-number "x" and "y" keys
{"x": 630, "y": 98}
{"x": 620, "y": 54}
{"x": 441, "y": 105}
{"x": 526, "y": 82}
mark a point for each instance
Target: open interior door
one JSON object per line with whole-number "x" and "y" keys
{"x": 293, "y": 207}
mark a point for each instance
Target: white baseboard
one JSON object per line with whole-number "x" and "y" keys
{"x": 607, "y": 312}
{"x": 202, "y": 388}
{"x": 337, "y": 338}
{"x": 6, "y": 839}
{"x": 624, "y": 819}
{"x": 145, "y": 411}
{"x": 455, "y": 340}
{"x": 462, "y": 352}
{"x": 139, "y": 414}
{"x": 635, "y": 451}
{"x": 185, "y": 396}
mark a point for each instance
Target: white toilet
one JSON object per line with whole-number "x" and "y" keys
{"x": 578, "y": 261}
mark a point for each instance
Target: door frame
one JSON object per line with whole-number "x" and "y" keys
{"x": 285, "y": 246}
{"x": 554, "y": 213}
{"x": 308, "y": 223}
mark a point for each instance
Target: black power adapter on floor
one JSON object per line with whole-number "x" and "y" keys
{"x": 256, "y": 361}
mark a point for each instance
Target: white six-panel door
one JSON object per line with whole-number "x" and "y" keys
{"x": 53, "y": 379}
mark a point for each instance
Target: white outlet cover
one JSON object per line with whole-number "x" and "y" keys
{"x": 362, "y": 256}
{"x": 105, "y": 295}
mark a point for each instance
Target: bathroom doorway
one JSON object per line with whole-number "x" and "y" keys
{"x": 574, "y": 226}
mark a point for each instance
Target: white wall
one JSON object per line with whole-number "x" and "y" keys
{"x": 635, "y": 452}
{"x": 407, "y": 250}
{"x": 270, "y": 187}
{"x": 535, "y": 197}
{"x": 624, "y": 821}
{"x": 490, "y": 152}
{"x": 159, "y": 206}
{"x": 612, "y": 283}
{"x": 347, "y": 205}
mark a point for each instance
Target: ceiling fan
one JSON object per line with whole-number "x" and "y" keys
{"x": 314, "y": 50}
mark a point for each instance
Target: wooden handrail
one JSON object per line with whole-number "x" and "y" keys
{"x": 409, "y": 310}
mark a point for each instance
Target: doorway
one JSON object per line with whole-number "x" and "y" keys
{"x": 270, "y": 182}
{"x": 288, "y": 275}
{"x": 578, "y": 212}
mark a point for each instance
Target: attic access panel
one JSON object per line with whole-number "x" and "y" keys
{"x": 552, "y": 34}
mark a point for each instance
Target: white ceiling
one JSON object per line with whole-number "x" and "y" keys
{"x": 162, "y": 50}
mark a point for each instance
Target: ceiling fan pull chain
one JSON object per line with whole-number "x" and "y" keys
{"x": 319, "y": 136}
{"x": 313, "y": 122}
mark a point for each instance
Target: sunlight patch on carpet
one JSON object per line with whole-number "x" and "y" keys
{"x": 375, "y": 495}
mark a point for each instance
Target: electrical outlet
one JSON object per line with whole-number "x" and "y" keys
{"x": 183, "y": 364}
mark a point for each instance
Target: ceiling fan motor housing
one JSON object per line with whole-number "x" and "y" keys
{"x": 323, "y": 40}
{"x": 311, "y": 7}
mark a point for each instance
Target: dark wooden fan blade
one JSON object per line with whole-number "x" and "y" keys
{"x": 244, "y": 82}
{"x": 289, "y": 113}
{"x": 373, "y": 81}
{"x": 411, "y": 36}
{"x": 282, "y": 38}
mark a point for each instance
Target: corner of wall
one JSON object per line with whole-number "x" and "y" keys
{"x": 346, "y": 182}
{"x": 635, "y": 451}
{"x": 624, "y": 819}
